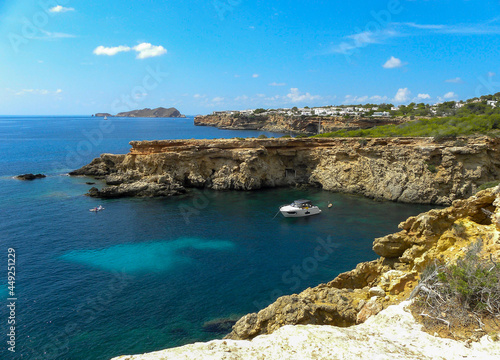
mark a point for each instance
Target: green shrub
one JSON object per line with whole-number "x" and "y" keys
{"x": 460, "y": 294}
{"x": 262, "y": 136}
{"x": 432, "y": 168}
{"x": 362, "y": 142}
{"x": 442, "y": 128}
{"x": 488, "y": 185}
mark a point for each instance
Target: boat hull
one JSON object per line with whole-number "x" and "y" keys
{"x": 290, "y": 211}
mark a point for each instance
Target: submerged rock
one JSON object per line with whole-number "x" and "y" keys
{"x": 221, "y": 326}
{"x": 393, "y": 334}
{"x": 30, "y": 176}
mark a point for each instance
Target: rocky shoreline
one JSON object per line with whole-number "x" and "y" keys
{"x": 412, "y": 170}
{"x": 292, "y": 124}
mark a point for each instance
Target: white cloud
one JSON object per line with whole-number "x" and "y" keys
{"x": 277, "y": 84}
{"x": 456, "y": 80}
{"x": 379, "y": 98}
{"x": 488, "y": 27}
{"x": 35, "y": 92}
{"x": 424, "y": 26}
{"x": 423, "y": 96}
{"x": 199, "y": 96}
{"x": 218, "y": 99}
{"x": 255, "y": 76}
{"x": 450, "y": 95}
{"x": 351, "y": 99}
{"x": 241, "y": 98}
{"x": 296, "y": 96}
{"x": 60, "y": 9}
{"x": 362, "y": 39}
{"x": 110, "y": 51}
{"x": 392, "y": 63}
{"x": 402, "y": 95}
{"x": 491, "y": 74}
{"x": 48, "y": 35}
{"x": 146, "y": 50}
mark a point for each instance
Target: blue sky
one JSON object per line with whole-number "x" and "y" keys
{"x": 82, "y": 57}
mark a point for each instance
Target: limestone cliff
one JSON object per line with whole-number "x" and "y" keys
{"x": 415, "y": 170}
{"x": 294, "y": 124}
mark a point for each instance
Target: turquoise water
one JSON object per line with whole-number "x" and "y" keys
{"x": 146, "y": 274}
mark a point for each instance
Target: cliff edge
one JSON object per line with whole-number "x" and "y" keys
{"x": 413, "y": 170}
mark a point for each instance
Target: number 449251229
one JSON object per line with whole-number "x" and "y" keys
{"x": 11, "y": 268}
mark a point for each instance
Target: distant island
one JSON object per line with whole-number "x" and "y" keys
{"x": 160, "y": 112}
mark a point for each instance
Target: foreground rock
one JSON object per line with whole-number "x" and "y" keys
{"x": 413, "y": 170}
{"x": 392, "y": 334}
{"x": 30, "y": 176}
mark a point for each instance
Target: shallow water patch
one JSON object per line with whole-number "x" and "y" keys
{"x": 156, "y": 256}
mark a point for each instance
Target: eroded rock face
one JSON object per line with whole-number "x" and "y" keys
{"x": 407, "y": 170}
{"x": 353, "y": 297}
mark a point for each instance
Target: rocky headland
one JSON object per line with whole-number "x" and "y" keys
{"x": 362, "y": 312}
{"x": 148, "y": 113}
{"x": 293, "y": 124}
{"x": 412, "y": 170}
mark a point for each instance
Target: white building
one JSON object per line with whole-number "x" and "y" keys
{"x": 492, "y": 103}
{"x": 381, "y": 114}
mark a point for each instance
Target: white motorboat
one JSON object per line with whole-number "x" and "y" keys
{"x": 300, "y": 208}
{"x": 96, "y": 209}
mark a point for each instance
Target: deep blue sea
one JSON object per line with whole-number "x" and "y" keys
{"x": 146, "y": 274}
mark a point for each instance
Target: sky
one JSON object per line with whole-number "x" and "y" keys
{"x": 79, "y": 57}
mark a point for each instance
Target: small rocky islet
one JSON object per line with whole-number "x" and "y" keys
{"x": 159, "y": 112}
{"x": 30, "y": 176}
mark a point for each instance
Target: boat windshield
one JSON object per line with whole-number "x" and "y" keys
{"x": 302, "y": 203}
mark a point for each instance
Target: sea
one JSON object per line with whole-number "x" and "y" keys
{"x": 148, "y": 274}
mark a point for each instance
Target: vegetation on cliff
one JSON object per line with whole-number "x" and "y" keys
{"x": 450, "y": 126}
{"x": 462, "y": 294}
